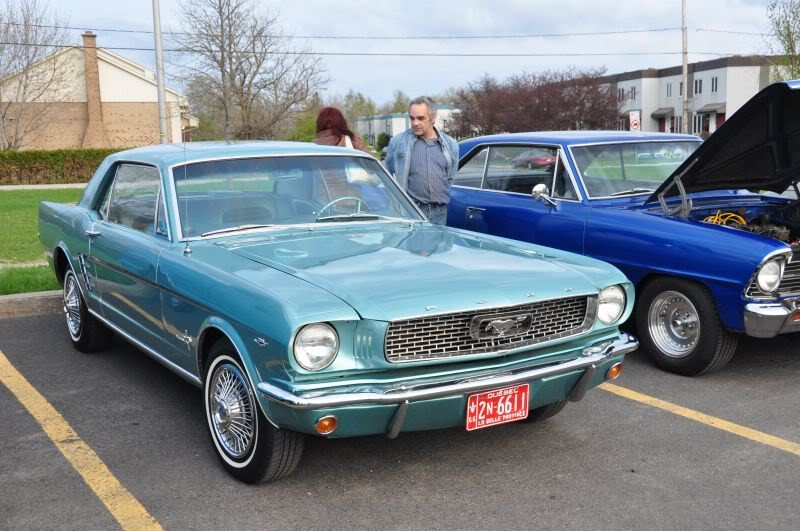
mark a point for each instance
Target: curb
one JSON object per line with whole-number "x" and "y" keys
{"x": 27, "y": 304}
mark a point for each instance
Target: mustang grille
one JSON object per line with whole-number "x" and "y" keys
{"x": 455, "y": 334}
{"x": 790, "y": 284}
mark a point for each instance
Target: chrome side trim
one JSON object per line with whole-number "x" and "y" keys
{"x": 397, "y": 395}
{"x": 180, "y": 371}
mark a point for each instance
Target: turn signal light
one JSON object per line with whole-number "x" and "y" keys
{"x": 614, "y": 371}
{"x": 326, "y": 425}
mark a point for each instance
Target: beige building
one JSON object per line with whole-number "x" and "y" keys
{"x": 98, "y": 99}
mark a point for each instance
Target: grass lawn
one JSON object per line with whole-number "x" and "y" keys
{"x": 19, "y": 211}
{"x": 27, "y": 279}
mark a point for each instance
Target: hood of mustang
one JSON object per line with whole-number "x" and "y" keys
{"x": 392, "y": 271}
{"x": 757, "y": 148}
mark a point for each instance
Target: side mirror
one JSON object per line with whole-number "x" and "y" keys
{"x": 541, "y": 193}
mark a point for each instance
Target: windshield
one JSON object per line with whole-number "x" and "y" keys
{"x": 629, "y": 168}
{"x": 222, "y": 195}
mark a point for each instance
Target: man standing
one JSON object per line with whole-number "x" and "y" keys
{"x": 424, "y": 161}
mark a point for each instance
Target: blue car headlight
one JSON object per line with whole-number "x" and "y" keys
{"x": 769, "y": 276}
{"x": 316, "y": 346}
{"x": 611, "y": 304}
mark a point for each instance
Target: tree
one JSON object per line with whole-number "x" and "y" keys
{"x": 356, "y": 105}
{"x": 784, "y": 20}
{"x": 399, "y": 103}
{"x": 33, "y": 70}
{"x": 550, "y": 100}
{"x": 251, "y": 80}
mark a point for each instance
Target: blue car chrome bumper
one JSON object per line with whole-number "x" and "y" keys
{"x": 591, "y": 357}
{"x": 771, "y": 319}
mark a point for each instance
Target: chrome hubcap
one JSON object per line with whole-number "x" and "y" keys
{"x": 674, "y": 324}
{"x": 72, "y": 305}
{"x": 232, "y": 410}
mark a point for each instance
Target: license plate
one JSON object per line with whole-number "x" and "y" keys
{"x": 499, "y": 406}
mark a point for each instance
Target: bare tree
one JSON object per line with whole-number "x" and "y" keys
{"x": 33, "y": 68}
{"x": 784, "y": 20}
{"x": 250, "y": 76}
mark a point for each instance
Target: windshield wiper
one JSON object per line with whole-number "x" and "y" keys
{"x": 357, "y": 216}
{"x": 234, "y": 229}
{"x": 632, "y": 191}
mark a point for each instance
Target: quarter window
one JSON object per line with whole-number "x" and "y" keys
{"x": 470, "y": 174}
{"x": 133, "y": 197}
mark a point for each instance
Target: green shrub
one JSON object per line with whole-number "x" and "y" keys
{"x": 383, "y": 141}
{"x": 59, "y": 166}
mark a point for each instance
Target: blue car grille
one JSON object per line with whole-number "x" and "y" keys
{"x": 453, "y": 334}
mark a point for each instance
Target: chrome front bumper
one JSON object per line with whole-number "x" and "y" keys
{"x": 771, "y": 319}
{"x": 403, "y": 395}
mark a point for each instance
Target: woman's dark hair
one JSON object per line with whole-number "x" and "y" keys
{"x": 332, "y": 118}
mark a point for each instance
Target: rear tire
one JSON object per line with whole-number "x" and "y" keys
{"x": 86, "y": 332}
{"x": 680, "y": 329}
{"x": 250, "y": 448}
{"x": 545, "y": 412}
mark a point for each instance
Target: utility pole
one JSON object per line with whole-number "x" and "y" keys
{"x": 162, "y": 101}
{"x": 685, "y": 120}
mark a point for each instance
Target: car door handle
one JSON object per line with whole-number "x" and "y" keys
{"x": 472, "y": 210}
{"x": 93, "y": 233}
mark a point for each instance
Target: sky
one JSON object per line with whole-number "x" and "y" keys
{"x": 378, "y": 77}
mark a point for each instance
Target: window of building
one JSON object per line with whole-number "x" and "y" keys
{"x": 669, "y": 90}
{"x": 698, "y": 86}
{"x": 621, "y": 94}
{"x": 680, "y": 88}
{"x": 633, "y": 93}
{"x": 714, "y": 84}
{"x": 622, "y": 124}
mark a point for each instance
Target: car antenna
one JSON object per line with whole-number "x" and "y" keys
{"x": 187, "y": 251}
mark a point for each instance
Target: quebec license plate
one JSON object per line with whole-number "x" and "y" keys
{"x": 499, "y": 406}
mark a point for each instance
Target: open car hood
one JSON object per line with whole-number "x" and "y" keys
{"x": 757, "y": 148}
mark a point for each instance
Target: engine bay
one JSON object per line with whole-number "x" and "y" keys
{"x": 779, "y": 222}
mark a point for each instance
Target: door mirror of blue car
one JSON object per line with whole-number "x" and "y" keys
{"x": 541, "y": 193}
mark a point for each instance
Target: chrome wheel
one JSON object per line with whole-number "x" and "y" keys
{"x": 72, "y": 306}
{"x": 674, "y": 324}
{"x": 231, "y": 410}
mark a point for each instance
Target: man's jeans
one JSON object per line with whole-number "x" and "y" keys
{"x": 436, "y": 213}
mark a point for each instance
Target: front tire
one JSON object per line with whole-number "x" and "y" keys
{"x": 680, "y": 329}
{"x": 86, "y": 332}
{"x": 248, "y": 446}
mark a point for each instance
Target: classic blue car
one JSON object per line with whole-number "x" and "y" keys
{"x": 710, "y": 259}
{"x": 306, "y": 294}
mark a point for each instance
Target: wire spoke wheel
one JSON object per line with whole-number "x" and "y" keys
{"x": 232, "y": 411}
{"x": 674, "y": 324}
{"x": 72, "y": 306}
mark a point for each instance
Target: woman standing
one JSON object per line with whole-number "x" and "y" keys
{"x": 332, "y": 130}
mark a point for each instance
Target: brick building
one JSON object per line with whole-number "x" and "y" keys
{"x": 100, "y": 99}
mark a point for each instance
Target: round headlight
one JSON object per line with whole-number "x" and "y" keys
{"x": 769, "y": 276}
{"x": 611, "y": 304}
{"x": 316, "y": 346}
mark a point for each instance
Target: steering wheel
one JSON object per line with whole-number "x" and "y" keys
{"x": 358, "y": 201}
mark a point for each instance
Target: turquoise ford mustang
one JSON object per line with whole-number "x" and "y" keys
{"x": 306, "y": 294}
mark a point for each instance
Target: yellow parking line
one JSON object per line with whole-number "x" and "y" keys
{"x": 123, "y": 506}
{"x": 714, "y": 422}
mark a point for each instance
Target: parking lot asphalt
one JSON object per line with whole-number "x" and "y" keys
{"x": 606, "y": 462}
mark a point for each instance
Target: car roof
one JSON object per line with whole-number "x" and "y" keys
{"x": 171, "y": 154}
{"x": 578, "y": 137}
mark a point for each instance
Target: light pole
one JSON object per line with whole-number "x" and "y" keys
{"x": 162, "y": 102}
{"x": 685, "y": 120}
